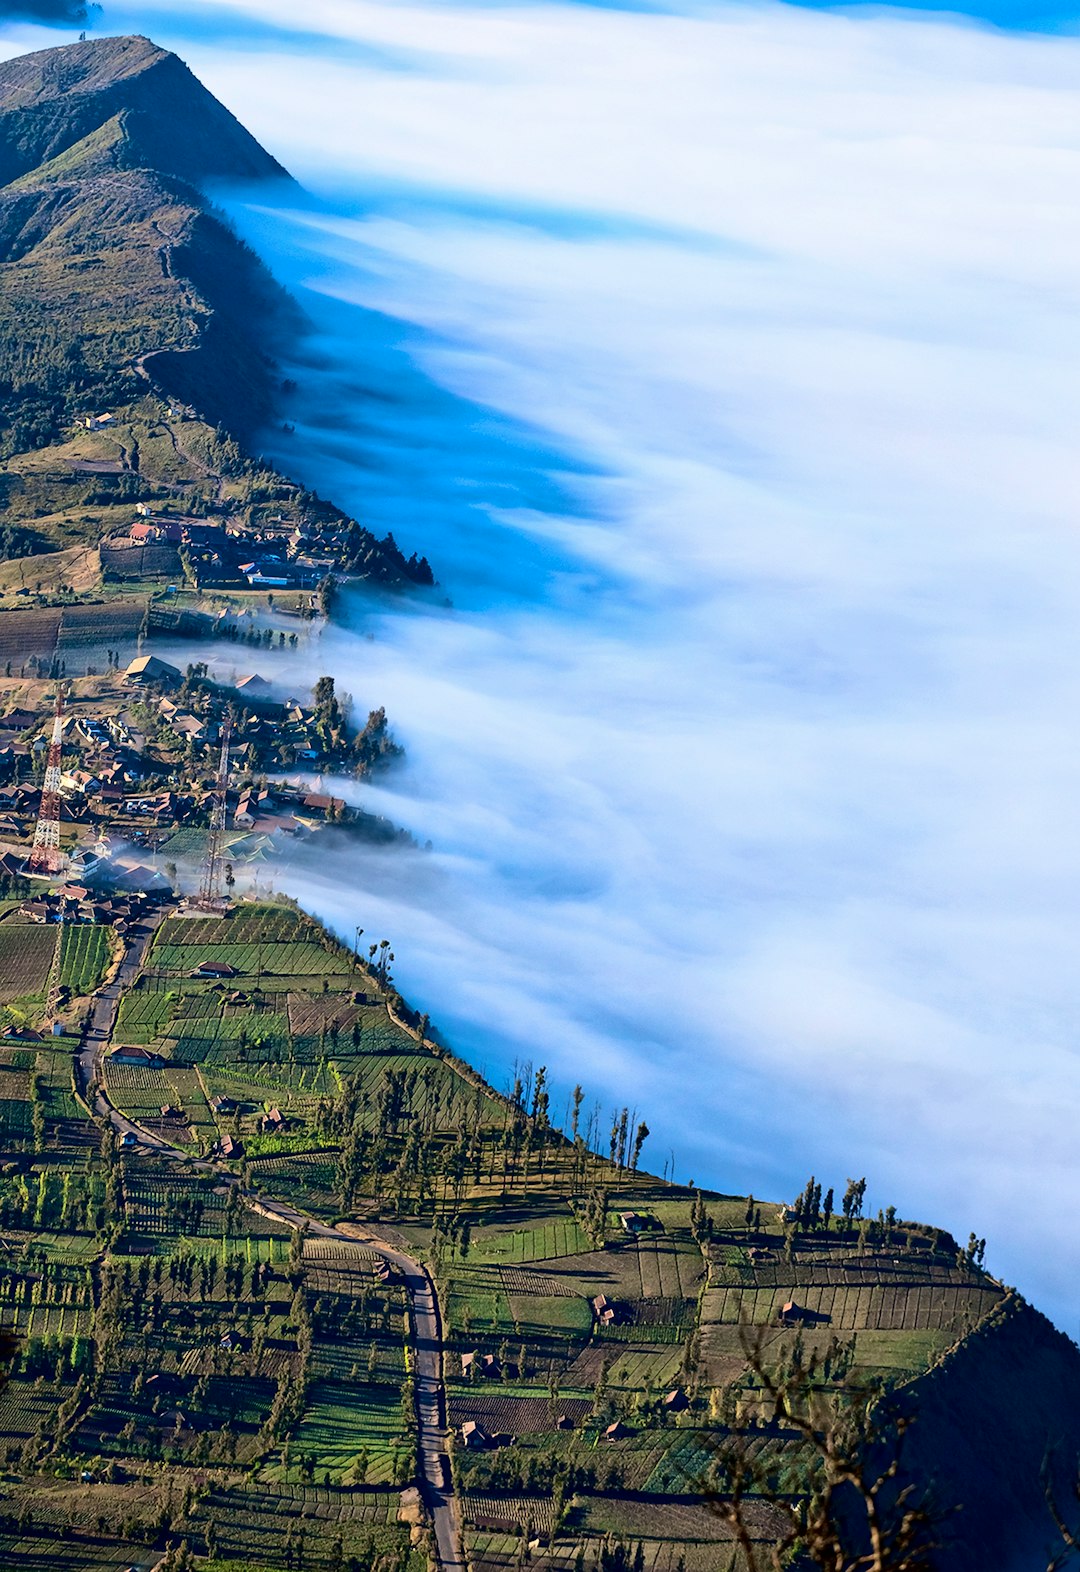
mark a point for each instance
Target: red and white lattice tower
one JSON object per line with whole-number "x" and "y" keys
{"x": 46, "y": 859}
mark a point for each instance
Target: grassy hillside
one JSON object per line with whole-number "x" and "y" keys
{"x": 191, "y": 1369}
{"x": 53, "y": 99}
{"x": 120, "y": 282}
{"x": 114, "y": 274}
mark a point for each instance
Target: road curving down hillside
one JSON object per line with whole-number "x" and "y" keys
{"x": 433, "y": 1457}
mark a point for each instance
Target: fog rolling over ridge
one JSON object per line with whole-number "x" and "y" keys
{"x": 725, "y": 367}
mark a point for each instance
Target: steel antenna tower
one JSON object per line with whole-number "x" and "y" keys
{"x": 210, "y": 893}
{"x": 46, "y": 859}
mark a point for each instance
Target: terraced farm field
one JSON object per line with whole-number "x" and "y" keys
{"x": 273, "y": 1368}
{"x": 112, "y": 624}
{"x": 560, "y": 1237}
{"x": 873, "y": 1305}
{"x": 47, "y": 631}
{"x": 295, "y": 958}
{"x": 26, "y": 633}
{"x": 276, "y": 924}
{"x": 519, "y": 1414}
{"x": 135, "y": 562}
{"x": 337, "y": 1413}
{"x": 141, "y": 1091}
{"x": 84, "y": 955}
{"x": 27, "y": 951}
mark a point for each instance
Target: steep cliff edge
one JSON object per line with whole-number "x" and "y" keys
{"x": 114, "y": 268}
{"x": 1006, "y": 1397}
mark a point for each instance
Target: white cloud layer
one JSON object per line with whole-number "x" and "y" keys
{"x": 727, "y": 366}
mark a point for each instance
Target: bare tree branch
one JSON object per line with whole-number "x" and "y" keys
{"x": 858, "y": 1517}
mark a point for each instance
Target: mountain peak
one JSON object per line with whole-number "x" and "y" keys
{"x": 86, "y": 67}
{"x": 54, "y": 98}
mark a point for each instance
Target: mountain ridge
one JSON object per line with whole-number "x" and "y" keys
{"x": 119, "y": 278}
{"x": 54, "y": 98}
{"x": 105, "y": 150}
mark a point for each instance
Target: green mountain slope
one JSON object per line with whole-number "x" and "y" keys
{"x": 54, "y": 98}
{"x": 122, "y": 288}
{"x": 114, "y": 270}
{"x": 215, "y": 1376}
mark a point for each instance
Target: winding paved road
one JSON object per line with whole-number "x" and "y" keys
{"x": 435, "y": 1478}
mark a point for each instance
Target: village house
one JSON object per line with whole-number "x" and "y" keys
{"x": 253, "y": 805}
{"x": 259, "y": 580}
{"x": 154, "y": 528}
{"x": 79, "y": 783}
{"x": 605, "y": 1310}
{"x": 90, "y": 730}
{"x": 156, "y": 805}
{"x": 16, "y": 798}
{"x": 136, "y": 876}
{"x": 11, "y": 756}
{"x": 193, "y": 727}
{"x": 135, "y": 1054}
{"x": 253, "y": 686}
{"x": 118, "y": 774}
{"x": 277, "y": 823}
{"x": 321, "y": 806}
{"x": 149, "y": 668}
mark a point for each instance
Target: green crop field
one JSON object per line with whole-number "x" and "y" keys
{"x": 562, "y": 1237}
{"x": 84, "y": 955}
{"x": 337, "y": 1416}
{"x": 275, "y": 1370}
{"x": 268, "y": 923}
{"x": 296, "y": 958}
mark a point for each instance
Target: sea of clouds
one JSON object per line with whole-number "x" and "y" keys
{"x": 726, "y": 364}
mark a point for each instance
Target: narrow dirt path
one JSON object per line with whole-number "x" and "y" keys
{"x": 433, "y": 1456}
